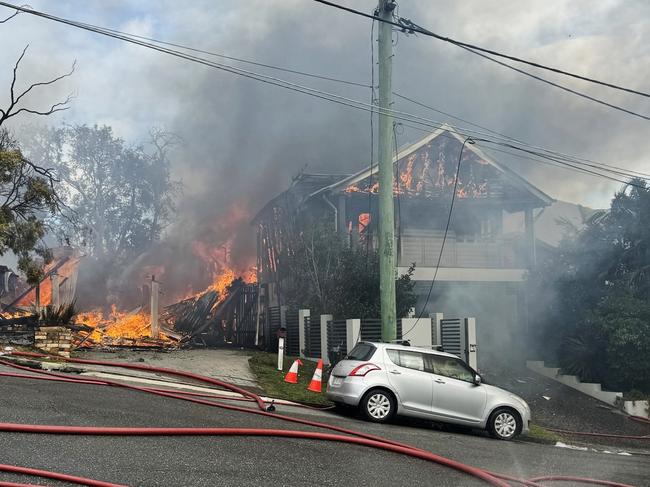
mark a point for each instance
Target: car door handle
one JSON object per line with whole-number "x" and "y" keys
{"x": 440, "y": 381}
{"x": 396, "y": 372}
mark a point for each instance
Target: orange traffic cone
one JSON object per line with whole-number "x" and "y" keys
{"x": 316, "y": 381}
{"x": 292, "y": 375}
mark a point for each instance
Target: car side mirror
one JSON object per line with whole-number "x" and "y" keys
{"x": 477, "y": 380}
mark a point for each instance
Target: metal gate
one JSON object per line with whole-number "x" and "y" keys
{"x": 459, "y": 337}
{"x": 312, "y": 338}
{"x": 453, "y": 336}
{"x": 371, "y": 330}
{"x": 293, "y": 339}
{"x": 274, "y": 323}
{"x": 337, "y": 342}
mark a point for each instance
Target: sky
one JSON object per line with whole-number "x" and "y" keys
{"x": 244, "y": 141}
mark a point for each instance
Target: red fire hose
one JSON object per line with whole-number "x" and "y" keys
{"x": 149, "y": 368}
{"x": 54, "y": 476}
{"x": 86, "y": 430}
{"x": 360, "y": 438}
{"x": 567, "y": 478}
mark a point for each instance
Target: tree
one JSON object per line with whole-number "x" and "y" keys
{"x": 596, "y": 314}
{"x": 323, "y": 273}
{"x": 120, "y": 197}
{"x": 27, "y": 194}
{"x": 27, "y": 189}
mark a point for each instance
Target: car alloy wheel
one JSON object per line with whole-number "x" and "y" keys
{"x": 505, "y": 424}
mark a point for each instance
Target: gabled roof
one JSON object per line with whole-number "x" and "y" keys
{"x": 446, "y": 131}
{"x": 302, "y": 187}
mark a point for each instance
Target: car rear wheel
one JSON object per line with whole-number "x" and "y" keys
{"x": 378, "y": 405}
{"x": 504, "y": 424}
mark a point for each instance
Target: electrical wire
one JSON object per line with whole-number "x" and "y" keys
{"x": 303, "y": 73}
{"x": 557, "y": 85}
{"x": 470, "y": 141}
{"x": 403, "y": 116}
{"x": 410, "y": 27}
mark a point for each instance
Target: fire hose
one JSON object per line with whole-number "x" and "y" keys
{"x": 357, "y": 438}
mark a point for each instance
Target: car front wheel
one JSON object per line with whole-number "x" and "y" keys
{"x": 504, "y": 424}
{"x": 378, "y": 405}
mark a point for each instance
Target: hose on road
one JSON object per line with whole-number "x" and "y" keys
{"x": 357, "y": 438}
{"x": 52, "y": 475}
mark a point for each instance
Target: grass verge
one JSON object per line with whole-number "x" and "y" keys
{"x": 271, "y": 380}
{"x": 541, "y": 435}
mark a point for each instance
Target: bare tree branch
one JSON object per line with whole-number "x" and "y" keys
{"x": 12, "y": 15}
{"x": 13, "y": 109}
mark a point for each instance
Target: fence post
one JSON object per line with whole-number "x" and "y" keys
{"x": 324, "y": 354}
{"x": 302, "y": 314}
{"x": 353, "y": 332}
{"x": 436, "y": 335}
{"x": 470, "y": 343}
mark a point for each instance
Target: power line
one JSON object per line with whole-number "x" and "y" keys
{"x": 428, "y": 107}
{"x": 250, "y": 74}
{"x": 562, "y": 164}
{"x": 403, "y": 116}
{"x": 232, "y": 58}
{"x": 470, "y": 141}
{"x": 557, "y": 85}
{"x": 410, "y": 27}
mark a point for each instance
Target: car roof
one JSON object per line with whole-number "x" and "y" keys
{"x": 396, "y": 346}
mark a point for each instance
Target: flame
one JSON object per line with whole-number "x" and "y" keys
{"x": 116, "y": 325}
{"x": 65, "y": 271}
{"x": 212, "y": 250}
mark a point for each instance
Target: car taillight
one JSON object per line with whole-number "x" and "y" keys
{"x": 362, "y": 370}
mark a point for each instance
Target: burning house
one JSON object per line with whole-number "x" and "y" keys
{"x": 483, "y": 268}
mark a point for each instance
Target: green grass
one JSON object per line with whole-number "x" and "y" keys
{"x": 271, "y": 380}
{"x": 541, "y": 435}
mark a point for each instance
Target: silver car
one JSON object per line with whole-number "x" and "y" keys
{"x": 383, "y": 379}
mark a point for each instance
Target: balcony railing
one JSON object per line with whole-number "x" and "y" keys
{"x": 423, "y": 248}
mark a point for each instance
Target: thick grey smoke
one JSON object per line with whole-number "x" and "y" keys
{"x": 244, "y": 140}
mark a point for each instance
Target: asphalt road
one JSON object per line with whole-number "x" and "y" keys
{"x": 208, "y": 461}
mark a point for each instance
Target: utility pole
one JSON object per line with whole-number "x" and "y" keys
{"x": 386, "y": 205}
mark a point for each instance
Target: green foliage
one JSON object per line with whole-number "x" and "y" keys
{"x": 324, "y": 274}
{"x": 593, "y": 296}
{"x": 27, "y": 196}
{"x": 58, "y": 316}
{"x": 119, "y": 198}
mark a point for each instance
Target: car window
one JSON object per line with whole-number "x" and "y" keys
{"x": 410, "y": 360}
{"x": 362, "y": 351}
{"x": 451, "y": 367}
{"x": 393, "y": 355}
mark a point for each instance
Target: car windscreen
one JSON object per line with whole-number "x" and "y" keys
{"x": 363, "y": 351}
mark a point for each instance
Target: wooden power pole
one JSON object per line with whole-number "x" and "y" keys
{"x": 386, "y": 206}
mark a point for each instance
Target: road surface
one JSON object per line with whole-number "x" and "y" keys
{"x": 209, "y": 461}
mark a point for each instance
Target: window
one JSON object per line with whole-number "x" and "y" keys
{"x": 362, "y": 351}
{"x": 393, "y": 355}
{"x": 452, "y": 367}
{"x": 409, "y": 360}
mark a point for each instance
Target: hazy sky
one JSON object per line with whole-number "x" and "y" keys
{"x": 244, "y": 140}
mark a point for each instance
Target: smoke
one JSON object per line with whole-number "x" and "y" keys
{"x": 243, "y": 140}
